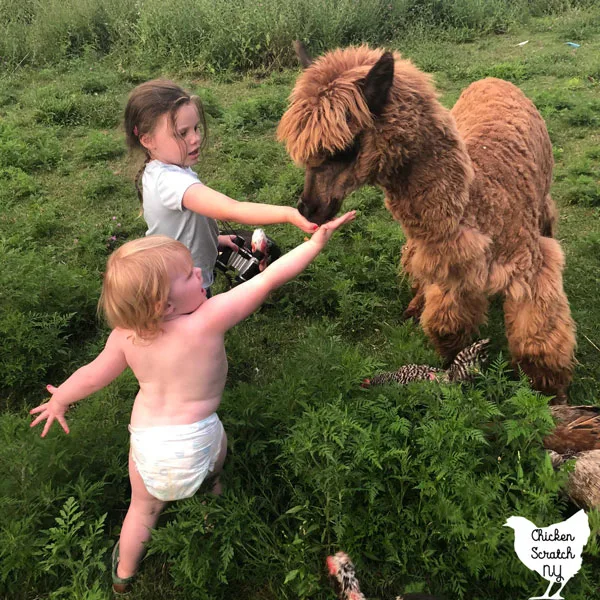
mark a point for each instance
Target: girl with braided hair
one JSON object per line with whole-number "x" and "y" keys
{"x": 168, "y": 125}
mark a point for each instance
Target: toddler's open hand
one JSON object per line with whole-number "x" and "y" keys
{"x": 50, "y": 411}
{"x": 324, "y": 233}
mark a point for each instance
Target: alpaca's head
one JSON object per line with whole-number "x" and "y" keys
{"x": 331, "y": 124}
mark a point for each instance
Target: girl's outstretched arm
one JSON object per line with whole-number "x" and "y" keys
{"x": 223, "y": 311}
{"x": 108, "y": 365}
{"x": 210, "y": 203}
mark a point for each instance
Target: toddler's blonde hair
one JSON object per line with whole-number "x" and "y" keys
{"x": 137, "y": 283}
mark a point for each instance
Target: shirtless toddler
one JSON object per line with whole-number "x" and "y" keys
{"x": 172, "y": 337}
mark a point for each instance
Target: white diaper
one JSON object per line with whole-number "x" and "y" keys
{"x": 173, "y": 461}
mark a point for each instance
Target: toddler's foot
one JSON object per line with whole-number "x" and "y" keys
{"x": 121, "y": 585}
{"x": 217, "y": 488}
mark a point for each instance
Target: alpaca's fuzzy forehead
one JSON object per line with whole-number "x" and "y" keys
{"x": 327, "y": 107}
{"x": 341, "y": 66}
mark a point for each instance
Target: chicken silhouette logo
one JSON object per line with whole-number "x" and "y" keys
{"x": 554, "y": 552}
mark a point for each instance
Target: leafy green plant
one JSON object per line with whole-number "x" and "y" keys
{"x": 583, "y": 115}
{"x": 99, "y": 146}
{"x": 15, "y": 185}
{"x": 583, "y": 190}
{"x": 103, "y": 183}
{"x": 27, "y": 150}
{"x": 580, "y": 181}
{"x": 57, "y": 107}
{"x": 258, "y": 114}
{"x": 39, "y": 312}
{"x": 98, "y": 82}
{"x": 75, "y": 548}
{"x": 39, "y": 476}
{"x": 33, "y": 344}
{"x": 387, "y": 475}
{"x": 210, "y": 103}
{"x": 17, "y": 552}
{"x": 242, "y": 35}
{"x": 511, "y": 71}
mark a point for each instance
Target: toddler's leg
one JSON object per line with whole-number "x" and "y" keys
{"x": 217, "y": 488}
{"x": 140, "y": 519}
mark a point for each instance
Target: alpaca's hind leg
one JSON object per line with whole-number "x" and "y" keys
{"x": 451, "y": 317}
{"x": 539, "y": 327}
{"x": 548, "y": 217}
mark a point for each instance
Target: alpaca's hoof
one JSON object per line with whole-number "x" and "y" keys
{"x": 411, "y": 314}
{"x": 559, "y": 399}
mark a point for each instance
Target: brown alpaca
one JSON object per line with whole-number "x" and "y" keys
{"x": 469, "y": 186}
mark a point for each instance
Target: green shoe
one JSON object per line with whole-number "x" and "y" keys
{"x": 121, "y": 585}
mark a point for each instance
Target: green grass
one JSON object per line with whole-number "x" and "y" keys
{"x": 218, "y": 36}
{"x": 316, "y": 464}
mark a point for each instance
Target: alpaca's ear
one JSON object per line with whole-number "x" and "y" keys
{"x": 302, "y": 54}
{"x": 376, "y": 85}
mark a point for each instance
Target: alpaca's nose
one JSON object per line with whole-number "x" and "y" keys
{"x": 313, "y": 211}
{"x": 304, "y": 209}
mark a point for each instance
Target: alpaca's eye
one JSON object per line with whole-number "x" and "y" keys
{"x": 348, "y": 154}
{"x": 314, "y": 162}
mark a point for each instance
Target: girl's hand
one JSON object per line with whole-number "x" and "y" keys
{"x": 324, "y": 233}
{"x": 50, "y": 411}
{"x": 301, "y": 222}
{"x": 226, "y": 241}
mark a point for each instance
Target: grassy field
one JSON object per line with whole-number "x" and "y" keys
{"x": 414, "y": 483}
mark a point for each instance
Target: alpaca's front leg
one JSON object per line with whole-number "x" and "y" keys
{"x": 451, "y": 317}
{"x": 416, "y": 305}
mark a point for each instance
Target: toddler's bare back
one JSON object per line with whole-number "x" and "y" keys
{"x": 181, "y": 373}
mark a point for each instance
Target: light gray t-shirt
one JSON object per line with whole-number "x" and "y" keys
{"x": 163, "y": 189}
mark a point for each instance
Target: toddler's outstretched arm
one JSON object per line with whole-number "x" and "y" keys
{"x": 226, "y": 310}
{"x": 108, "y": 365}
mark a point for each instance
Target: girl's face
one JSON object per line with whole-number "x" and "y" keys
{"x": 186, "y": 293}
{"x": 175, "y": 147}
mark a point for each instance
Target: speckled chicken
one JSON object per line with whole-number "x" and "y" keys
{"x": 342, "y": 575}
{"x": 466, "y": 365}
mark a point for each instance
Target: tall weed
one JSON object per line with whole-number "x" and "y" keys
{"x": 15, "y": 185}
{"x": 238, "y": 35}
{"x": 27, "y": 150}
{"x": 43, "y": 304}
{"x": 76, "y": 548}
{"x": 52, "y": 30}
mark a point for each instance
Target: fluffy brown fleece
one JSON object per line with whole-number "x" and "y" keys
{"x": 469, "y": 186}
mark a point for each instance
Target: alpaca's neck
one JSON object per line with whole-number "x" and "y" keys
{"x": 428, "y": 176}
